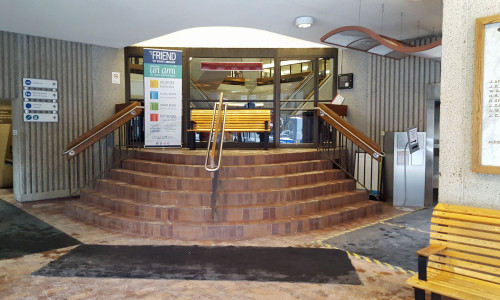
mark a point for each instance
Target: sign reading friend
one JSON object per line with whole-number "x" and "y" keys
{"x": 486, "y": 122}
{"x": 162, "y": 97}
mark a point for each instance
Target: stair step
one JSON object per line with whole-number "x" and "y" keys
{"x": 167, "y": 169}
{"x": 161, "y": 181}
{"x": 184, "y": 170}
{"x": 153, "y": 195}
{"x": 194, "y": 213}
{"x": 274, "y": 182}
{"x": 219, "y": 231}
{"x": 230, "y": 158}
{"x": 276, "y": 195}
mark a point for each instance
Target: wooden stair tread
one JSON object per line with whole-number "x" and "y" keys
{"x": 312, "y": 185}
{"x": 277, "y": 204}
{"x": 99, "y": 211}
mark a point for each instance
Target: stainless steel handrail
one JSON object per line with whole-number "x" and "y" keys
{"x": 131, "y": 111}
{"x": 213, "y": 135}
{"x": 376, "y": 153}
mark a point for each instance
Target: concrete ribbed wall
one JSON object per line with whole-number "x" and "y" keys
{"x": 388, "y": 94}
{"x": 40, "y": 171}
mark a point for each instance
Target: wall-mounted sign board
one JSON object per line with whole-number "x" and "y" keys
{"x": 31, "y": 105}
{"x": 39, "y": 95}
{"x": 486, "y": 111}
{"x": 36, "y": 117}
{"x": 39, "y": 83}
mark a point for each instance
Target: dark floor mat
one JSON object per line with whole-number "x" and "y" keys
{"x": 22, "y": 234}
{"x": 394, "y": 241}
{"x": 206, "y": 263}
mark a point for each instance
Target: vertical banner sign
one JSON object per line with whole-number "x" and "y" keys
{"x": 162, "y": 97}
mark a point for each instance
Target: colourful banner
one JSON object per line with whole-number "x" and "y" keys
{"x": 162, "y": 97}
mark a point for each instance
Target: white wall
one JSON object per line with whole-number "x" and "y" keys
{"x": 457, "y": 183}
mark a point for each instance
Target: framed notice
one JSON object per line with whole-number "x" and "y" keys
{"x": 486, "y": 114}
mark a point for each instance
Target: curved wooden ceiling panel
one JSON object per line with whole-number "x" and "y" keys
{"x": 366, "y": 40}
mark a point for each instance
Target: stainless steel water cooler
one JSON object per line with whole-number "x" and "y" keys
{"x": 412, "y": 192}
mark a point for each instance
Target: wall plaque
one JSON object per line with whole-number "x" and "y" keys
{"x": 486, "y": 113}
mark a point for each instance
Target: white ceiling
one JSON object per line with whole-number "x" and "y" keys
{"x": 121, "y": 23}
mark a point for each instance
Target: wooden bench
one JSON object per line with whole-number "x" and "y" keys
{"x": 237, "y": 120}
{"x": 463, "y": 259}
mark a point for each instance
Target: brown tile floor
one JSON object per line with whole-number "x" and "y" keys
{"x": 379, "y": 282}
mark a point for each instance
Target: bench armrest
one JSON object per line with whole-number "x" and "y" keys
{"x": 423, "y": 258}
{"x": 432, "y": 249}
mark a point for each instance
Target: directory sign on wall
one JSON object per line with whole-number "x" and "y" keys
{"x": 162, "y": 97}
{"x": 40, "y": 100}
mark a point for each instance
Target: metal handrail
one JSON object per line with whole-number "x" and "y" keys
{"x": 71, "y": 151}
{"x": 376, "y": 153}
{"x": 212, "y": 139}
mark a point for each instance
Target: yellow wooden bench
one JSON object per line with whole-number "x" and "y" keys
{"x": 463, "y": 259}
{"x": 237, "y": 120}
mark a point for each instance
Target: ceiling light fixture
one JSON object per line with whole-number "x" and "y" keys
{"x": 304, "y": 22}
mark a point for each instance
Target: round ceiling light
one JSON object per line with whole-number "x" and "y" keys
{"x": 304, "y": 22}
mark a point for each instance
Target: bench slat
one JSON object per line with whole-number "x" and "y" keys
{"x": 465, "y": 240}
{"x": 465, "y": 265}
{"x": 464, "y": 272}
{"x": 462, "y": 247}
{"x": 472, "y": 257}
{"x": 468, "y": 225}
{"x": 453, "y": 291}
{"x": 468, "y": 282}
{"x": 466, "y": 232}
{"x": 469, "y": 218}
{"x": 476, "y": 211}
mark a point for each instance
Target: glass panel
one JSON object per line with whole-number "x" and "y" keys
{"x": 136, "y": 66}
{"x": 296, "y": 126}
{"x": 297, "y": 101}
{"x": 327, "y": 88}
{"x": 241, "y": 90}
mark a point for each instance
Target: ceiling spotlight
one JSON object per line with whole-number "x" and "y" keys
{"x": 304, "y": 22}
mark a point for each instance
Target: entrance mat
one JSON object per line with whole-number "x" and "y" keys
{"x": 205, "y": 263}
{"x": 22, "y": 234}
{"x": 393, "y": 241}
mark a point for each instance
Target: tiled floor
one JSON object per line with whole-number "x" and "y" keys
{"x": 379, "y": 282}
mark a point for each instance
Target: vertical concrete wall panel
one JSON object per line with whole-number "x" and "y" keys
{"x": 40, "y": 170}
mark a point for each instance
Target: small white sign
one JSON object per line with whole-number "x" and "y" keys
{"x": 30, "y": 105}
{"x": 39, "y": 83}
{"x": 41, "y": 95}
{"x": 115, "y": 77}
{"x": 244, "y": 97}
{"x": 34, "y": 117}
{"x": 338, "y": 100}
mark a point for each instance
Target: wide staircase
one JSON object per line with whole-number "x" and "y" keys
{"x": 168, "y": 193}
